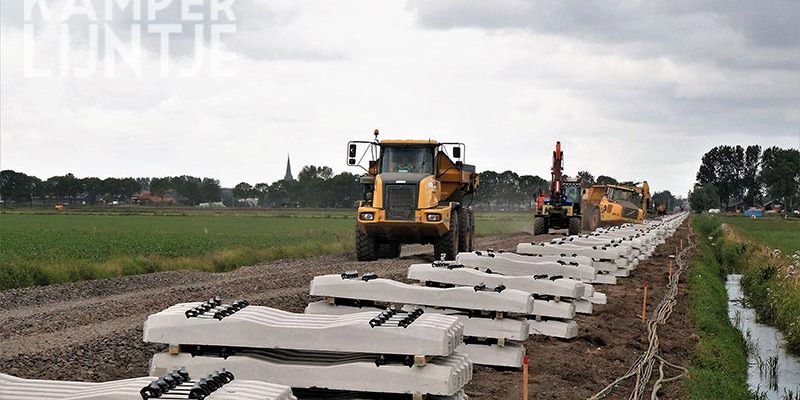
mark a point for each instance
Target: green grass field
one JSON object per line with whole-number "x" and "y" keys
{"x": 778, "y": 233}
{"x": 46, "y": 247}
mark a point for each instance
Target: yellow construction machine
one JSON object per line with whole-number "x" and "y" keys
{"x": 605, "y": 205}
{"x": 561, "y": 208}
{"x": 414, "y": 192}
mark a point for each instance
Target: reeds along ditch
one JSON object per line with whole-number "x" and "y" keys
{"x": 770, "y": 280}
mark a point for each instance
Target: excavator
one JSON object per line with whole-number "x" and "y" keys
{"x": 562, "y": 208}
{"x": 616, "y": 204}
{"x": 414, "y": 192}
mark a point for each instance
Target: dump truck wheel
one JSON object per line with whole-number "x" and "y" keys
{"x": 465, "y": 230}
{"x": 539, "y": 225}
{"x": 471, "y": 230}
{"x": 575, "y": 226}
{"x": 448, "y": 244}
{"x": 594, "y": 218}
{"x": 389, "y": 250}
{"x": 366, "y": 247}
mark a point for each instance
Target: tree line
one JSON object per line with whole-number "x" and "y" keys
{"x": 315, "y": 187}
{"x": 17, "y": 187}
{"x": 735, "y": 177}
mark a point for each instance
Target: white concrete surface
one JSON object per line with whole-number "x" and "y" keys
{"x": 564, "y": 287}
{"x": 509, "y": 356}
{"x": 12, "y": 388}
{"x": 515, "y": 265}
{"x": 511, "y": 328}
{"x": 265, "y": 327}
{"x": 357, "y": 372}
{"x": 389, "y": 291}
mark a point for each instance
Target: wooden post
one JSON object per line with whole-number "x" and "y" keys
{"x": 670, "y": 268}
{"x": 644, "y": 304}
{"x": 525, "y": 378}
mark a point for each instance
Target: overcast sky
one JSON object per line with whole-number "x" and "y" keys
{"x": 635, "y": 90}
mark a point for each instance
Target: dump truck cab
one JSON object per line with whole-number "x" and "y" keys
{"x": 413, "y": 193}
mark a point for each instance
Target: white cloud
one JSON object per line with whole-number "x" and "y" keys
{"x": 642, "y": 103}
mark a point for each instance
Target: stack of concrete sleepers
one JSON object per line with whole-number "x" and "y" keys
{"x": 177, "y": 384}
{"x": 611, "y": 251}
{"x": 381, "y": 351}
{"x": 494, "y": 317}
{"x": 637, "y": 241}
{"x": 610, "y": 259}
{"x": 512, "y": 264}
{"x": 542, "y": 287}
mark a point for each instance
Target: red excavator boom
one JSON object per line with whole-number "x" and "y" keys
{"x": 555, "y": 173}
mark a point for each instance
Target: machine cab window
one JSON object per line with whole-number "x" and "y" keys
{"x": 572, "y": 194}
{"x": 407, "y": 159}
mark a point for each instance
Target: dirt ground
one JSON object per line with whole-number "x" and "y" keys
{"x": 92, "y": 331}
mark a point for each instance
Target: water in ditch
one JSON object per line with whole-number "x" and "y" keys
{"x": 772, "y": 372}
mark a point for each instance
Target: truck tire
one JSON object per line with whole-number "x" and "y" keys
{"x": 389, "y": 250}
{"x": 471, "y": 230}
{"x": 448, "y": 244}
{"x": 575, "y": 226}
{"x": 366, "y": 247}
{"x": 593, "y": 219}
{"x": 540, "y": 226}
{"x": 465, "y": 230}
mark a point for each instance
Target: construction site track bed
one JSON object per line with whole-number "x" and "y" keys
{"x": 92, "y": 331}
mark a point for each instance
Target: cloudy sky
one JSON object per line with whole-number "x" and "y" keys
{"x": 633, "y": 89}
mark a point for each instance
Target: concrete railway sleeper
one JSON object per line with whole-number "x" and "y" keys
{"x": 542, "y": 287}
{"x": 172, "y": 384}
{"x": 444, "y": 376}
{"x": 488, "y": 339}
{"x": 390, "y": 331}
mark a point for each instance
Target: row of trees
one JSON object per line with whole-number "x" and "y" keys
{"x": 508, "y": 190}
{"x": 185, "y": 189}
{"x": 18, "y": 187}
{"x": 316, "y": 186}
{"x": 737, "y": 177}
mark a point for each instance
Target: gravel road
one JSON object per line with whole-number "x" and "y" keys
{"x": 92, "y": 331}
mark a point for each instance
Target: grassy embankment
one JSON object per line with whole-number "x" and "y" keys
{"x": 719, "y": 365}
{"x": 45, "y": 247}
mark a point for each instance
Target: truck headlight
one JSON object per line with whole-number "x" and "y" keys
{"x": 434, "y": 217}
{"x": 367, "y": 216}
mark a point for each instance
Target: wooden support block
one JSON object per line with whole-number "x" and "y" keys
{"x": 420, "y": 360}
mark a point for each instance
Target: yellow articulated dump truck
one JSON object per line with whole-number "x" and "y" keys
{"x": 606, "y": 205}
{"x": 415, "y": 191}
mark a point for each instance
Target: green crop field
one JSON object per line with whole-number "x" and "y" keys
{"x": 47, "y": 247}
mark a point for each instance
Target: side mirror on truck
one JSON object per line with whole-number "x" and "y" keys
{"x": 351, "y": 154}
{"x": 456, "y": 152}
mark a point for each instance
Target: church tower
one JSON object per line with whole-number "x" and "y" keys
{"x": 288, "y": 177}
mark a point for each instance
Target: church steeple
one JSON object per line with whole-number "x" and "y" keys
{"x": 288, "y": 177}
